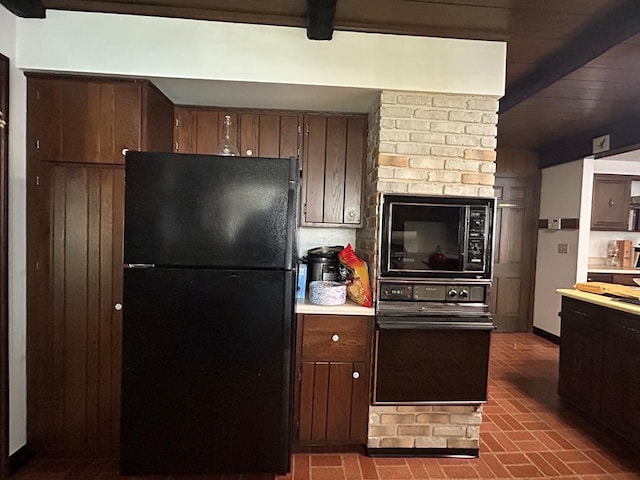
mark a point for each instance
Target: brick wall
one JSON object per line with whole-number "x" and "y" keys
{"x": 432, "y": 144}
{"x": 438, "y": 426}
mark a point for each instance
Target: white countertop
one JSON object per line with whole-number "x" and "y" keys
{"x": 604, "y": 269}
{"x": 347, "y": 308}
{"x": 601, "y": 300}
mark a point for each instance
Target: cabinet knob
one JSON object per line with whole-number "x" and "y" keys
{"x": 124, "y": 152}
{"x": 356, "y": 374}
{"x": 351, "y": 214}
{"x": 117, "y": 307}
{"x": 335, "y": 338}
{"x": 611, "y": 202}
{"x": 249, "y": 152}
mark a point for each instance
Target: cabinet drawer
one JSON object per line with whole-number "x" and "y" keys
{"x": 625, "y": 326}
{"x": 336, "y": 338}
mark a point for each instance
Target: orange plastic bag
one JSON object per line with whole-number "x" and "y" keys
{"x": 356, "y": 276}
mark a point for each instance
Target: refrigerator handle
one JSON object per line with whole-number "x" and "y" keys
{"x": 292, "y": 213}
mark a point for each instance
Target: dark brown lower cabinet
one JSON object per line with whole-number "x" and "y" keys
{"x": 600, "y": 365}
{"x": 582, "y": 338}
{"x": 75, "y": 277}
{"x": 333, "y": 389}
{"x": 620, "y": 406}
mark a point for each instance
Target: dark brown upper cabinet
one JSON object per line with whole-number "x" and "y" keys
{"x": 334, "y": 149}
{"x": 90, "y": 120}
{"x": 611, "y": 201}
{"x": 255, "y": 133}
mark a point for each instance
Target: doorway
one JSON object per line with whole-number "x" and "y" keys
{"x": 4, "y": 271}
{"x": 517, "y": 186}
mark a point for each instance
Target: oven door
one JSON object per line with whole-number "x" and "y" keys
{"x": 431, "y": 360}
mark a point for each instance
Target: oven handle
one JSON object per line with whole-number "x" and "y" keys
{"x": 482, "y": 323}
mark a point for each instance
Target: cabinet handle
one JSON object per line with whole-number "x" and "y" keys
{"x": 335, "y": 338}
{"x": 124, "y": 152}
{"x": 356, "y": 375}
{"x": 632, "y": 330}
{"x": 117, "y": 307}
{"x": 249, "y": 152}
{"x": 611, "y": 202}
{"x": 578, "y": 312}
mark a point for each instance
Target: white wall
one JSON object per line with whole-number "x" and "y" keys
{"x": 184, "y": 49}
{"x": 175, "y": 48}
{"x": 560, "y": 196}
{"x": 17, "y": 251}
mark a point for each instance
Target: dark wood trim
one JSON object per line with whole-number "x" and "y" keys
{"x": 624, "y": 134}
{"x": 19, "y": 459}
{"x": 546, "y": 335}
{"x": 25, "y": 8}
{"x": 424, "y": 452}
{"x": 320, "y": 16}
{"x": 591, "y": 41}
{"x": 4, "y": 270}
{"x": 565, "y": 223}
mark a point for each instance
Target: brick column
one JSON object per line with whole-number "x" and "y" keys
{"x": 432, "y": 144}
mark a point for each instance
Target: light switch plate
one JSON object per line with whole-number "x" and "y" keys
{"x": 563, "y": 248}
{"x": 553, "y": 224}
{"x": 601, "y": 144}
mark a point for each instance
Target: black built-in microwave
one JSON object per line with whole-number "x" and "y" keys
{"x": 436, "y": 236}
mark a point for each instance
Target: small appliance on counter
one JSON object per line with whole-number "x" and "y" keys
{"x": 323, "y": 263}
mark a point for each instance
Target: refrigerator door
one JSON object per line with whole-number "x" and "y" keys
{"x": 206, "y": 371}
{"x": 207, "y": 210}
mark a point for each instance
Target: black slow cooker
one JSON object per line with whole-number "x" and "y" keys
{"x": 323, "y": 263}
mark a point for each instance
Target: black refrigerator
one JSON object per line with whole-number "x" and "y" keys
{"x": 208, "y": 314}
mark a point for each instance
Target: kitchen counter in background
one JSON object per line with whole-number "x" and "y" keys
{"x": 348, "y": 308}
{"x": 601, "y": 300}
{"x": 606, "y": 269}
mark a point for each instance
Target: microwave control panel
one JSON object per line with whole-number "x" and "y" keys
{"x": 476, "y": 239}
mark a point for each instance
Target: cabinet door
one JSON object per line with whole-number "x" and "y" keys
{"x": 269, "y": 135}
{"x": 82, "y": 120}
{"x": 611, "y": 199}
{"x": 200, "y": 130}
{"x": 334, "y": 149}
{"x": 75, "y": 278}
{"x": 333, "y": 402}
{"x": 621, "y": 376}
{"x": 581, "y": 346}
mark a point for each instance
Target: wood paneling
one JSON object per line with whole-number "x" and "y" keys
{"x": 315, "y": 140}
{"x": 334, "y": 149}
{"x": 74, "y": 342}
{"x": 157, "y": 121}
{"x": 255, "y": 133}
{"x": 76, "y": 131}
{"x": 84, "y": 120}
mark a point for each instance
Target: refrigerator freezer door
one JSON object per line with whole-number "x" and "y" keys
{"x": 206, "y": 375}
{"x": 207, "y": 210}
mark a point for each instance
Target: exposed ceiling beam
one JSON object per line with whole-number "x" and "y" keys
{"x": 25, "y": 8}
{"x": 597, "y": 37}
{"x": 320, "y": 15}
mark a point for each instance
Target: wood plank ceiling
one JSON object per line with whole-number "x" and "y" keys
{"x": 571, "y": 64}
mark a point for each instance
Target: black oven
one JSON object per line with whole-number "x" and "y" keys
{"x": 436, "y": 237}
{"x": 433, "y": 326}
{"x": 432, "y": 342}
{"x": 431, "y": 360}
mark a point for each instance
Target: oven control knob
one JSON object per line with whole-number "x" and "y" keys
{"x": 464, "y": 293}
{"x": 452, "y": 293}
